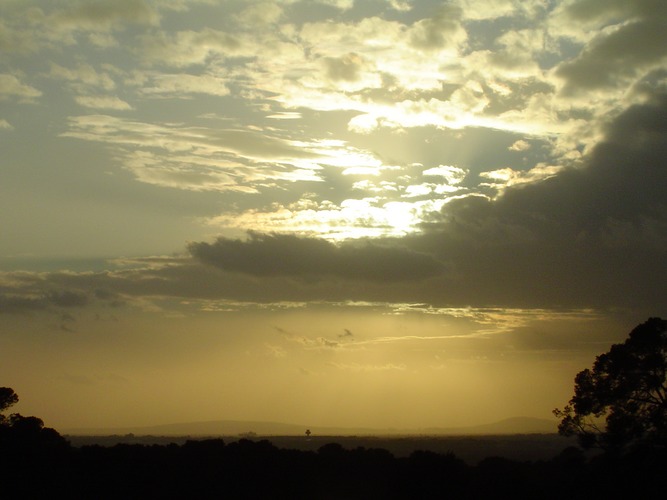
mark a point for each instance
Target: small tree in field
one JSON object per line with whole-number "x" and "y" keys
{"x": 622, "y": 401}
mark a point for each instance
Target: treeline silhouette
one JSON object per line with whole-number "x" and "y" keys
{"x": 37, "y": 465}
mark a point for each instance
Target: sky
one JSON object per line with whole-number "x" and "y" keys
{"x": 381, "y": 213}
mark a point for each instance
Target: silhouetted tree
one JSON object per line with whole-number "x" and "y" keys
{"x": 623, "y": 400}
{"x": 8, "y": 398}
{"x": 34, "y": 459}
{"x": 18, "y": 431}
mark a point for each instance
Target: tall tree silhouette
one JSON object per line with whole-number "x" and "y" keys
{"x": 622, "y": 401}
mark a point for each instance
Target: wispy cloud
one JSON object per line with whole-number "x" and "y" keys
{"x": 356, "y": 367}
{"x": 103, "y": 102}
{"x": 12, "y": 87}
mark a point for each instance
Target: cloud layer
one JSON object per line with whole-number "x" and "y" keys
{"x": 591, "y": 236}
{"x": 288, "y": 255}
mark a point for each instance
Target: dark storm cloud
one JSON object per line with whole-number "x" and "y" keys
{"x": 593, "y": 236}
{"x": 623, "y": 180}
{"x": 596, "y": 10}
{"x": 13, "y": 303}
{"x": 635, "y": 45}
{"x": 620, "y": 54}
{"x": 27, "y": 292}
{"x": 34, "y": 298}
{"x": 288, "y": 255}
{"x": 67, "y": 298}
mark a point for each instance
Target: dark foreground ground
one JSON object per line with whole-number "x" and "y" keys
{"x": 471, "y": 449}
{"x": 47, "y": 466}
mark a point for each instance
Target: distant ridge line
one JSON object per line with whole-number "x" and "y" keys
{"x": 515, "y": 425}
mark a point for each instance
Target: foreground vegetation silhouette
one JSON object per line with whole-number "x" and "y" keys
{"x": 621, "y": 404}
{"x": 36, "y": 462}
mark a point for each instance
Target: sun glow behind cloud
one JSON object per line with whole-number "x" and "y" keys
{"x": 352, "y": 219}
{"x": 391, "y": 76}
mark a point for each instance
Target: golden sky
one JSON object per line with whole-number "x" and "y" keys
{"x": 382, "y": 213}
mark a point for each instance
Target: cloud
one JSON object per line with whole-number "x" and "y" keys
{"x": 592, "y": 235}
{"x": 386, "y": 60}
{"x": 520, "y": 145}
{"x": 352, "y": 218}
{"x": 339, "y": 4}
{"x": 103, "y": 102}
{"x": 552, "y": 223}
{"x": 347, "y": 333}
{"x": 16, "y": 299}
{"x": 83, "y": 76}
{"x": 12, "y": 87}
{"x": 400, "y": 5}
{"x": 505, "y": 177}
{"x": 92, "y": 87}
{"x": 203, "y": 158}
{"x": 307, "y": 342}
{"x": 213, "y": 158}
{"x": 346, "y": 68}
{"x": 67, "y": 298}
{"x": 174, "y": 138}
{"x": 442, "y": 31}
{"x": 107, "y": 14}
{"x": 451, "y": 174}
{"x": 493, "y": 9}
{"x": 288, "y": 255}
{"x": 358, "y": 367}
{"x": 13, "y": 40}
{"x": 188, "y": 48}
{"x": 182, "y": 86}
{"x": 13, "y": 304}
{"x": 602, "y": 12}
{"x": 275, "y": 351}
{"x": 610, "y": 60}
{"x": 260, "y": 14}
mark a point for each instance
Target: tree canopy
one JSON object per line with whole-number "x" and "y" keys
{"x": 19, "y": 432}
{"x": 622, "y": 401}
{"x": 8, "y": 398}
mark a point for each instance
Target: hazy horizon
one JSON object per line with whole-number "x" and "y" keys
{"x": 382, "y": 213}
{"x": 245, "y": 428}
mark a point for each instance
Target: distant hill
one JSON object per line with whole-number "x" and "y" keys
{"x": 517, "y": 425}
{"x": 210, "y": 428}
